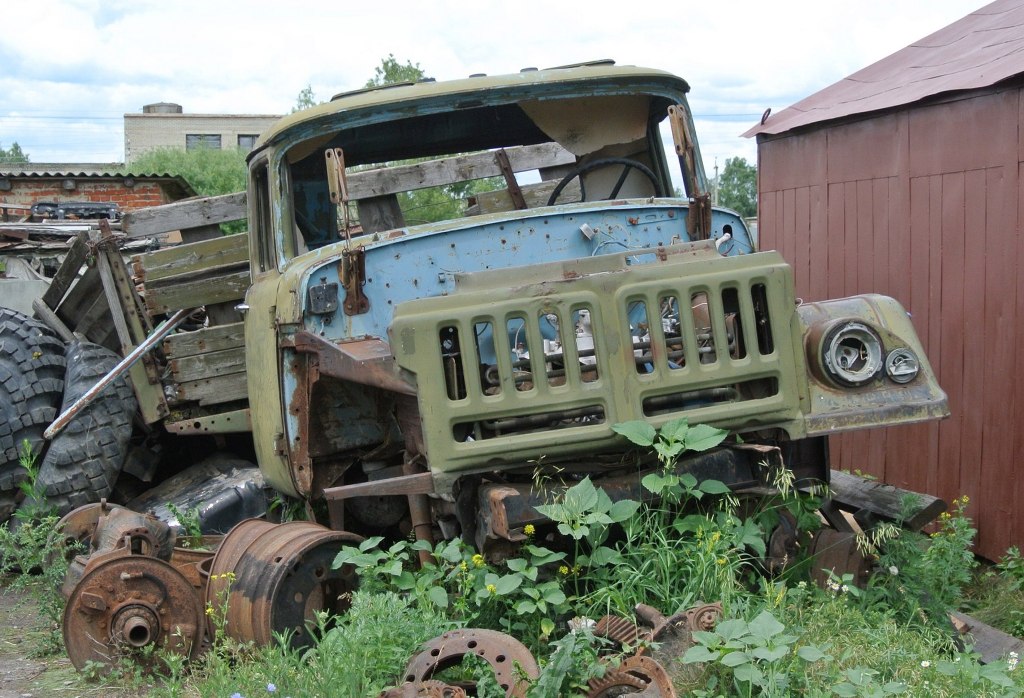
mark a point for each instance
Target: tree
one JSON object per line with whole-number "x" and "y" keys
{"x": 12, "y": 155}
{"x": 391, "y": 72}
{"x": 210, "y": 171}
{"x": 305, "y": 99}
{"x": 737, "y": 187}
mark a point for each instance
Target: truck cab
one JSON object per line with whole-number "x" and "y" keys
{"x": 455, "y": 283}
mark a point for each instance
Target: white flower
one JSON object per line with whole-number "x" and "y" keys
{"x": 845, "y": 588}
{"x": 1012, "y": 660}
{"x": 894, "y": 570}
{"x": 801, "y": 585}
{"x": 925, "y": 664}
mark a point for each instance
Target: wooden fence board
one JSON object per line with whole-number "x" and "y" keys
{"x": 184, "y": 344}
{"x": 208, "y": 365}
{"x": 197, "y": 292}
{"x": 215, "y": 390}
{"x": 191, "y": 213}
{"x": 173, "y": 261}
{"x": 68, "y": 271}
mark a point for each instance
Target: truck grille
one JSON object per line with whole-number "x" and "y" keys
{"x": 553, "y": 365}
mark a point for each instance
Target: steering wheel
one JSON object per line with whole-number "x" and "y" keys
{"x": 626, "y": 164}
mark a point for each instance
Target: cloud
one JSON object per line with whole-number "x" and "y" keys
{"x": 82, "y": 64}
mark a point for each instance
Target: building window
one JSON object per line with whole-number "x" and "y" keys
{"x": 247, "y": 141}
{"x": 194, "y": 141}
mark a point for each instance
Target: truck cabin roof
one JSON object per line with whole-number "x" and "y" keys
{"x": 427, "y": 119}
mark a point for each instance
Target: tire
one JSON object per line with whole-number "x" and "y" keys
{"x": 32, "y": 368}
{"x": 85, "y": 458}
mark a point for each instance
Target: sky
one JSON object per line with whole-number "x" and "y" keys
{"x": 71, "y": 69}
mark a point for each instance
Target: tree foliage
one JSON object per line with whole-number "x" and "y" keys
{"x": 210, "y": 171}
{"x": 391, "y": 72}
{"x": 737, "y": 187}
{"x": 12, "y": 155}
{"x": 305, "y": 99}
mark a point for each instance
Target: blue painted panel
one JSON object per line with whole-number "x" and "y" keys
{"x": 424, "y": 261}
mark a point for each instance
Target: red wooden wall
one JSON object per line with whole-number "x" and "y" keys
{"x": 923, "y": 204}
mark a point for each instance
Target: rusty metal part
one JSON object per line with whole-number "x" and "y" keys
{"x": 352, "y": 271}
{"x": 639, "y": 676}
{"x": 109, "y": 532}
{"x": 426, "y": 689}
{"x": 158, "y": 335}
{"x": 194, "y": 563}
{"x": 142, "y": 533}
{"x": 514, "y": 191}
{"x": 700, "y": 617}
{"x": 78, "y": 526}
{"x": 364, "y": 361}
{"x": 274, "y": 578}
{"x": 704, "y": 617}
{"x": 621, "y": 630}
{"x": 836, "y": 552}
{"x": 514, "y": 667}
{"x": 127, "y": 607}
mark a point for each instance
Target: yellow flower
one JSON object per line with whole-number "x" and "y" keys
{"x": 491, "y": 589}
{"x": 209, "y": 610}
{"x": 478, "y": 560}
{"x": 529, "y": 530}
{"x": 715, "y": 537}
{"x": 463, "y": 565}
{"x": 721, "y": 561}
{"x": 563, "y": 570}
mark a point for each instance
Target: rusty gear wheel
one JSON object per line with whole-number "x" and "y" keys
{"x": 508, "y": 657}
{"x": 639, "y": 675}
{"x": 127, "y": 606}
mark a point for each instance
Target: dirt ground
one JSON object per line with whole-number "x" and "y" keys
{"x": 23, "y": 675}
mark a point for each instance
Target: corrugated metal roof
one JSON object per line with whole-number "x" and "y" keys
{"x": 983, "y": 48}
{"x": 28, "y": 170}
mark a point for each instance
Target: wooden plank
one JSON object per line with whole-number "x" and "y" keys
{"x": 68, "y": 271}
{"x": 882, "y": 500}
{"x": 462, "y": 168}
{"x": 992, "y": 644}
{"x": 184, "y": 344}
{"x": 172, "y": 261}
{"x": 77, "y": 301}
{"x": 190, "y": 213}
{"x": 215, "y": 390}
{"x": 208, "y": 365}
{"x": 534, "y": 194}
{"x": 198, "y": 292}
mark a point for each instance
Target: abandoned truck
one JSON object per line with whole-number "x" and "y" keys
{"x": 416, "y": 374}
{"x": 411, "y": 374}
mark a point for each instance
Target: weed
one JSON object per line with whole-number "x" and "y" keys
{"x": 191, "y": 532}
{"x": 35, "y": 552}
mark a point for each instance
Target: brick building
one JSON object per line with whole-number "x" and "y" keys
{"x": 28, "y": 183}
{"x": 165, "y": 125}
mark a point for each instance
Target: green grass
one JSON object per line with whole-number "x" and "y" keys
{"x": 782, "y": 637}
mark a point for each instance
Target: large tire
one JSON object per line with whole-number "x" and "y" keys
{"x": 31, "y": 384}
{"x": 85, "y": 458}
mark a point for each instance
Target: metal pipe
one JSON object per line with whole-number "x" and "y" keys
{"x": 161, "y": 331}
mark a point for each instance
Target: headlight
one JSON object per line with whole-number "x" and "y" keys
{"x": 902, "y": 366}
{"x": 852, "y": 354}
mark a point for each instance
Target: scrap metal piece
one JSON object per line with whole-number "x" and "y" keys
{"x": 128, "y": 607}
{"x": 514, "y": 667}
{"x": 274, "y": 578}
{"x": 78, "y": 526}
{"x": 835, "y": 554}
{"x": 426, "y": 689}
{"x": 637, "y": 676}
{"x": 621, "y": 630}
